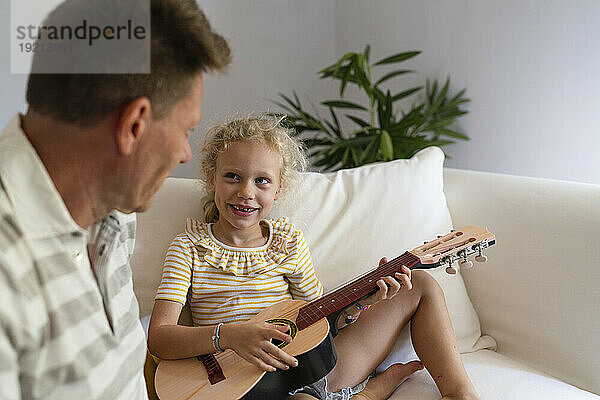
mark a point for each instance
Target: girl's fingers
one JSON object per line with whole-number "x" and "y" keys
{"x": 407, "y": 271}
{"x": 394, "y": 286}
{"x": 271, "y": 357}
{"x": 273, "y": 362}
{"x": 282, "y": 360}
{"x": 404, "y": 280}
{"x": 383, "y": 289}
{"x": 260, "y": 363}
{"x": 278, "y": 332}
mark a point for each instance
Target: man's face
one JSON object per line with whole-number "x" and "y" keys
{"x": 165, "y": 146}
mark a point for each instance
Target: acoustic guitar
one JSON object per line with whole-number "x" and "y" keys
{"x": 228, "y": 376}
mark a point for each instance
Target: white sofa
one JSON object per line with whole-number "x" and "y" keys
{"x": 529, "y": 327}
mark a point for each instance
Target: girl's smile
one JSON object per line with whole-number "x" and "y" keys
{"x": 246, "y": 183}
{"x": 242, "y": 211}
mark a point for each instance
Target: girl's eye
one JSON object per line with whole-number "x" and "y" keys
{"x": 231, "y": 175}
{"x": 262, "y": 181}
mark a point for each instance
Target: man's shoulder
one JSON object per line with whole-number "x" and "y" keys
{"x": 13, "y": 251}
{"x": 16, "y": 263}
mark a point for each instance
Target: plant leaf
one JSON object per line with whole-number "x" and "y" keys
{"x": 370, "y": 153}
{"x": 343, "y": 104}
{"x": 354, "y": 157}
{"x": 398, "y": 57}
{"x": 379, "y": 96}
{"x": 353, "y": 141}
{"x": 451, "y": 133}
{"x": 358, "y": 121}
{"x": 439, "y": 124}
{"x": 345, "y": 156}
{"x": 392, "y": 75}
{"x": 345, "y": 78}
{"x": 406, "y": 93}
{"x": 387, "y": 148}
{"x": 439, "y": 101}
{"x": 337, "y": 129}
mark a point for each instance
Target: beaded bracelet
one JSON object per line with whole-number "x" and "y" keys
{"x": 350, "y": 319}
{"x": 215, "y": 338}
{"x": 362, "y": 308}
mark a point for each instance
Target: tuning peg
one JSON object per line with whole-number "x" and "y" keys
{"x": 480, "y": 257}
{"x": 465, "y": 264}
{"x": 450, "y": 269}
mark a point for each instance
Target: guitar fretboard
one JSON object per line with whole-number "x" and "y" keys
{"x": 351, "y": 292}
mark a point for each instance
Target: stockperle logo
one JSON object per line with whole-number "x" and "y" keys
{"x": 80, "y": 36}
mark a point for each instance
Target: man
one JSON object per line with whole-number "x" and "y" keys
{"x": 91, "y": 150}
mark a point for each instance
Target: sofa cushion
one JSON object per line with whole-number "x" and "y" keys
{"x": 350, "y": 219}
{"x": 496, "y": 377}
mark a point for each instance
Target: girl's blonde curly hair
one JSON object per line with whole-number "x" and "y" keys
{"x": 263, "y": 129}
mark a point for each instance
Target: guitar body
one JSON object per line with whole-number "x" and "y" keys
{"x": 188, "y": 378}
{"x": 312, "y": 366}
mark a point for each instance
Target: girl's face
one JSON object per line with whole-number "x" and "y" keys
{"x": 246, "y": 183}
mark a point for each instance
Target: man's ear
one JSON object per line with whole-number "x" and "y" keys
{"x": 133, "y": 124}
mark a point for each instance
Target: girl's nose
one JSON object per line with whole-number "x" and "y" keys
{"x": 245, "y": 191}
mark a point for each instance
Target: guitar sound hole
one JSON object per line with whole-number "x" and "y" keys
{"x": 290, "y": 330}
{"x": 278, "y": 342}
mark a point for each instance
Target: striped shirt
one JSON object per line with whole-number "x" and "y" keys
{"x": 67, "y": 330}
{"x": 229, "y": 284}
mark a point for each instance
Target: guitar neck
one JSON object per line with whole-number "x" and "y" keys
{"x": 353, "y": 291}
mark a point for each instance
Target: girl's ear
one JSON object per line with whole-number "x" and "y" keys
{"x": 278, "y": 192}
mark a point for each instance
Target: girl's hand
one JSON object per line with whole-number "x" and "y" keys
{"x": 252, "y": 342}
{"x": 388, "y": 286}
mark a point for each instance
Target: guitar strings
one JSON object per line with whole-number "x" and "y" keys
{"x": 340, "y": 298}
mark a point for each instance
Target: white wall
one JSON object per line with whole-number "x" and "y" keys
{"x": 277, "y": 45}
{"x": 530, "y": 68}
{"x": 12, "y": 86}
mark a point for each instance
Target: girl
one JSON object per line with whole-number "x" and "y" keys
{"x": 238, "y": 262}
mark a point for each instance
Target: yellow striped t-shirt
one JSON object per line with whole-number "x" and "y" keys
{"x": 230, "y": 284}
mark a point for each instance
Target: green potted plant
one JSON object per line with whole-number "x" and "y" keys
{"x": 381, "y": 134}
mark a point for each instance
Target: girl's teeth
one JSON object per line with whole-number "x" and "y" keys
{"x": 243, "y": 209}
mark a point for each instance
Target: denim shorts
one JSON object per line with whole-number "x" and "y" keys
{"x": 319, "y": 390}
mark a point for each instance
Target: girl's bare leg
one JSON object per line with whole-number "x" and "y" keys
{"x": 362, "y": 346}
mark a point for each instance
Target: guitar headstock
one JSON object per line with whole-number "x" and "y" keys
{"x": 457, "y": 245}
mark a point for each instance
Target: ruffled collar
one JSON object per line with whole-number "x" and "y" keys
{"x": 242, "y": 261}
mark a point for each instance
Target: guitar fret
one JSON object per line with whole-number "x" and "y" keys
{"x": 352, "y": 292}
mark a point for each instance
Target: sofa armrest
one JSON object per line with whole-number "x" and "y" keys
{"x": 538, "y": 294}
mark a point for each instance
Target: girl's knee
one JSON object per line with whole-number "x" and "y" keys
{"x": 425, "y": 283}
